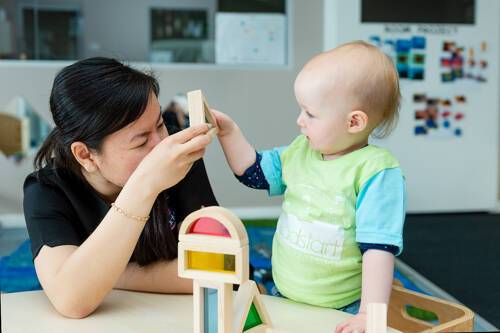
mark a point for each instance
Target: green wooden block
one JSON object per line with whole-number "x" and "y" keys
{"x": 253, "y": 319}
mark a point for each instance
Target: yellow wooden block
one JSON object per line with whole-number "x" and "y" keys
{"x": 212, "y": 262}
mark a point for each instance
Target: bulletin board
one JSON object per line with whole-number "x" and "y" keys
{"x": 254, "y": 38}
{"x": 447, "y": 139}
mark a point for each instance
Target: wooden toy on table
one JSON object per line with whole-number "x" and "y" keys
{"x": 452, "y": 317}
{"x": 250, "y": 314}
{"x": 199, "y": 111}
{"x": 213, "y": 252}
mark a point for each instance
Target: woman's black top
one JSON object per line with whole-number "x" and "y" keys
{"x": 60, "y": 208}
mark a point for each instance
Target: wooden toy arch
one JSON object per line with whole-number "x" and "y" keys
{"x": 215, "y": 252}
{"x": 229, "y": 221}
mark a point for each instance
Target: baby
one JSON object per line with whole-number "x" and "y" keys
{"x": 344, "y": 199}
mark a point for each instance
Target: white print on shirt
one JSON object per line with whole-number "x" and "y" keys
{"x": 311, "y": 203}
{"x": 315, "y": 238}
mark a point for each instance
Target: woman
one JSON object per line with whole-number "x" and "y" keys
{"x": 111, "y": 188}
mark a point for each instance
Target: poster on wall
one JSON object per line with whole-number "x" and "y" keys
{"x": 447, "y": 56}
{"x": 250, "y": 39}
{"x": 439, "y": 117}
{"x": 459, "y": 62}
{"x": 408, "y": 54}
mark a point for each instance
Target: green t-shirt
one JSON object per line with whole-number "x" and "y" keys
{"x": 316, "y": 258}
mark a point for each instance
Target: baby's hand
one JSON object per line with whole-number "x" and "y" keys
{"x": 224, "y": 122}
{"x": 356, "y": 324}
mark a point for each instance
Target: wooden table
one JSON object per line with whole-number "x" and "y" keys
{"x": 126, "y": 311}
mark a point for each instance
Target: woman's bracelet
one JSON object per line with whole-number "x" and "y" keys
{"x": 124, "y": 213}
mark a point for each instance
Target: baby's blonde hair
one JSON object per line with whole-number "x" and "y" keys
{"x": 378, "y": 92}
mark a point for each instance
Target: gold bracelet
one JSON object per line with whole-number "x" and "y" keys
{"x": 124, "y": 213}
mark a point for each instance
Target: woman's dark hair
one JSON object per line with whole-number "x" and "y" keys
{"x": 90, "y": 100}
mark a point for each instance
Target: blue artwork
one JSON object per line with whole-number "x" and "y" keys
{"x": 408, "y": 55}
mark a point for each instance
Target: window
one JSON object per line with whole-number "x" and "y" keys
{"x": 50, "y": 33}
{"x": 179, "y": 35}
{"x": 168, "y": 31}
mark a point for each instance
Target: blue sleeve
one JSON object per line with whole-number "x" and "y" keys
{"x": 381, "y": 209}
{"x": 253, "y": 176}
{"x": 363, "y": 247}
{"x": 271, "y": 166}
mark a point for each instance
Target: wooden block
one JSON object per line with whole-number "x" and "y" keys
{"x": 211, "y": 311}
{"x": 452, "y": 317}
{"x": 247, "y": 300}
{"x": 224, "y": 305}
{"x": 241, "y": 272}
{"x": 376, "y": 321}
{"x": 233, "y": 224}
{"x": 202, "y": 256}
{"x": 209, "y": 226}
{"x": 212, "y": 262}
{"x": 211, "y": 247}
{"x": 210, "y": 284}
{"x": 211, "y": 241}
{"x": 198, "y": 301}
{"x": 199, "y": 111}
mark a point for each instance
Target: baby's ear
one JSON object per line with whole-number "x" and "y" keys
{"x": 357, "y": 121}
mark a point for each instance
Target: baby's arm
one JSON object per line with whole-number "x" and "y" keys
{"x": 380, "y": 214}
{"x": 378, "y": 269}
{"x": 240, "y": 155}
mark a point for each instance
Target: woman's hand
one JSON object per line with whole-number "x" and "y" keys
{"x": 225, "y": 124}
{"x": 169, "y": 162}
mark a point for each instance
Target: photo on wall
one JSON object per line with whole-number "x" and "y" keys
{"x": 460, "y": 62}
{"x": 409, "y": 55}
{"x": 439, "y": 117}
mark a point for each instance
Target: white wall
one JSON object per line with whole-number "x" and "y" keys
{"x": 445, "y": 174}
{"x": 261, "y": 100}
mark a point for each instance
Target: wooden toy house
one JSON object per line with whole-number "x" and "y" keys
{"x": 213, "y": 251}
